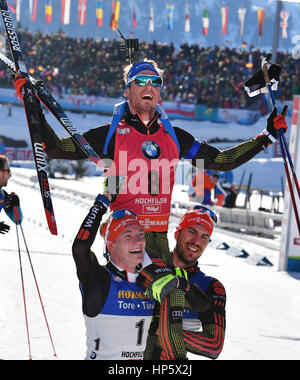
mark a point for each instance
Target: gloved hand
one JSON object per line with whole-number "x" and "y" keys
{"x": 12, "y": 208}
{"x": 4, "y": 228}
{"x": 159, "y": 281}
{"x": 14, "y": 200}
{"x": 113, "y": 185}
{"x": 274, "y": 123}
{"x": 19, "y": 82}
{"x": 11, "y": 201}
{"x": 182, "y": 276}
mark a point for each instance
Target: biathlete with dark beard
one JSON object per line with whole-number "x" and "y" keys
{"x": 203, "y": 331}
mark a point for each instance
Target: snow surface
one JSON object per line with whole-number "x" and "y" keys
{"x": 263, "y": 304}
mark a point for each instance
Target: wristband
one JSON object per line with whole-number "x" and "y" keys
{"x": 268, "y": 134}
{"x": 103, "y": 199}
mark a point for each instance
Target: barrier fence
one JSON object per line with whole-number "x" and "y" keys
{"x": 238, "y": 219}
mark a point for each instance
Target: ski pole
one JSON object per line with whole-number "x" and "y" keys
{"x": 281, "y": 134}
{"x": 17, "y": 218}
{"x": 23, "y": 291}
{"x": 283, "y": 145}
{"x": 283, "y": 139}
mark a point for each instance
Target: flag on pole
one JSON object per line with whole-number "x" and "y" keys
{"x": 12, "y": 6}
{"x": 99, "y": 13}
{"x": 187, "y": 25}
{"x": 48, "y": 11}
{"x": 32, "y": 9}
{"x": 261, "y": 15}
{"x": 65, "y": 11}
{"x": 205, "y": 21}
{"x": 170, "y": 9}
{"x": 224, "y": 18}
{"x": 151, "y": 18}
{"x": 15, "y": 7}
{"x": 82, "y": 11}
{"x": 249, "y": 64}
{"x": 18, "y": 10}
{"x": 242, "y": 13}
{"x": 284, "y": 15}
{"x": 134, "y": 23}
{"x": 114, "y": 22}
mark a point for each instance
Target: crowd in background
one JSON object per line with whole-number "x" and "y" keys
{"x": 193, "y": 74}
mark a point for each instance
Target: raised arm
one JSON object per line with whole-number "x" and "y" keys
{"x": 229, "y": 159}
{"x": 85, "y": 237}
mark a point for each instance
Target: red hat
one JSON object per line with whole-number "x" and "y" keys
{"x": 199, "y": 215}
{"x": 117, "y": 222}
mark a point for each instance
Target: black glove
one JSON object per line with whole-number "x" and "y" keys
{"x": 183, "y": 281}
{"x": 113, "y": 185}
{"x": 4, "y": 228}
{"x": 157, "y": 281}
{"x": 12, "y": 200}
{"x": 274, "y": 123}
{"x": 160, "y": 280}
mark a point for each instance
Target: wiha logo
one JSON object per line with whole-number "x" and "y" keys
{"x": 151, "y": 209}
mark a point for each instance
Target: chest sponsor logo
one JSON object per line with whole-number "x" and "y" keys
{"x": 123, "y": 131}
{"x": 151, "y": 209}
{"x": 130, "y": 294}
{"x": 151, "y": 150}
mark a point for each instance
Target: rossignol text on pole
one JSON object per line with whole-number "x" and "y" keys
{"x": 28, "y": 99}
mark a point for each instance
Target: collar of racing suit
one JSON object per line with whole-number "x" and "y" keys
{"x": 136, "y": 122}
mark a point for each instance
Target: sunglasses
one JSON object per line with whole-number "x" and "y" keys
{"x": 202, "y": 210}
{"x": 5, "y": 170}
{"x": 118, "y": 214}
{"x": 142, "y": 80}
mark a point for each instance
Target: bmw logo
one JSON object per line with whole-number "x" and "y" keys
{"x": 151, "y": 150}
{"x": 93, "y": 355}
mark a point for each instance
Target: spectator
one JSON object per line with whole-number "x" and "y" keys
{"x": 2, "y": 146}
{"x": 203, "y": 184}
{"x": 193, "y": 74}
